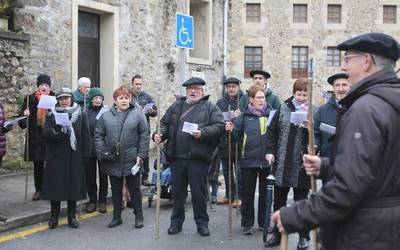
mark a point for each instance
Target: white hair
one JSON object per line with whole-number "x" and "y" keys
{"x": 83, "y": 80}
{"x": 383, "y": 62}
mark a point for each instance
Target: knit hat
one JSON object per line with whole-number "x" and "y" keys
{"x": 43, "y": 79}
{"x": 95, "y": 92}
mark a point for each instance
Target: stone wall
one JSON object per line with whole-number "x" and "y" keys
{"x": 146, "y": 47}
{"x": 276, "y": 33}
{"x": 14, "y": 51}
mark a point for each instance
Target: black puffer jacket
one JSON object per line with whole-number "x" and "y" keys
{"x": 134, "y": 139}
{"x": 363, "y": 194}
{"x": 210, "y": 122}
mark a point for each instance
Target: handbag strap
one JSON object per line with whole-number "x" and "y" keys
{"x": 122, "y": 127}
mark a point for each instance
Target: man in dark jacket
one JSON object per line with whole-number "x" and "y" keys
{"x": 326, "y": 114}
{"x": 143, "y": 99}
{"x": 260, "y": 78}
{"x": 231, "y": 97}
{"x": 363, "y": 194}
{"x": 192, "y": 127}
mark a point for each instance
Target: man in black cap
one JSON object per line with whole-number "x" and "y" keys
{"x": 326, "y": 114}
{"x": 363, "y": 194}
{"x": 192, "y": 126}
{"x": 260, "y": 78}
{"x": 35, "y": 144}
{"x": 231, "y": 97}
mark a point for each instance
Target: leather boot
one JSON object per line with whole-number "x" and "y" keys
{"x": 275, "y": 239}
{"x": 139, "y": 219}
{"x": 72, "y": 221}
{"x": 116, "y": 221}
{"x": 55, "y": 213}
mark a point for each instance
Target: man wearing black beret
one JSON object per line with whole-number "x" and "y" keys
{"x": 231, "y": 97}
{"x": 192, "y": 127}
{"x": 326, "y": 114}
{"x": 260, "y": 78}
{"x": 363, "y": 194}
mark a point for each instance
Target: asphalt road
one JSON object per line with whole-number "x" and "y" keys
{"x": 93, "y": 233}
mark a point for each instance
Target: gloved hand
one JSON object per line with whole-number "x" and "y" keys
{"x": 8, "y": 127}
{"x": 57, "y": 128}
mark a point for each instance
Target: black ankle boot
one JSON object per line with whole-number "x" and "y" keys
{"x": 275, "y": 239}
{"x": 72, "y": 221}
{"x": 116, "y": 221}
{"x": 139, "y": 219}
{"x": 55, "y": 213}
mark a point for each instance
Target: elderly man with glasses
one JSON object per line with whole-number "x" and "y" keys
{"x": 363, "y": 195}
{"x": 192, "y": 127}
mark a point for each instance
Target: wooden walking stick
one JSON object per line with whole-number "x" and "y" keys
{"x": 157, "y": 236}
{"x": 230, "y": 176}
{"x": 311, "y": 149}
{"x": 284, "y": 241}
{"x": 27, "y": 144}
{"x": 236, "y": 166}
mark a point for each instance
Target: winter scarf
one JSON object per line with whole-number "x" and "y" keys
{"x": 73, "y": 113}
{"x": 41, "y": 113}
{"x": 257, "y": 111}
{"x": 302, "y": 107}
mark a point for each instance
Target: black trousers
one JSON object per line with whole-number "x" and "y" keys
{"x": 146, "y": 168}
{"x": 38, "y": 172}
{"x": 133, "y": 183}
{"x": 249, "y": 177}
{"x": 280, "y": 199}
{"x": 91, "y": 183}
{"x": 194, "y": 173}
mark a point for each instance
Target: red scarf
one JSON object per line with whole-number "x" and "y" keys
{"x": 41, "y": 113}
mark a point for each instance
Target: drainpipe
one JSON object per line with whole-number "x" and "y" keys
{"x": 225, "y": 54}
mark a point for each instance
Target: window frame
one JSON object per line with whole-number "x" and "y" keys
{"x": 385, "y": 12}
{"x": 333, "y": 59}
{"x": 299, "y": 72}
{"x": 253, "y": 61}
{"x": 334, "y": 13}
{"x": 299, "y": 15}
{"x": 253, "y": 18}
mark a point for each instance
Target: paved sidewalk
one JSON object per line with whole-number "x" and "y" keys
{"x": 21, "y": 212}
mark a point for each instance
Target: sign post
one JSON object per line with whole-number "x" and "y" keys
{"x": 184, "y": 40}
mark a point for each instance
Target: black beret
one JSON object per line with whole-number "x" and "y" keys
{"x": 260, "y": 72}
{"x": 194, "y": 81}
{"x": 233, "y": 80}
{"x": 374, "y": 42}
{"x": 334, "y": 77}
{"x": 43, "y": 79}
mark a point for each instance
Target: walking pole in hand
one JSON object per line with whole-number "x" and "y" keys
{"x": 269, "y": 194}
{"x": 237, "y": 167}
{"x": 158, "y": 176}
{"x": 230, "y": 176}
{"x": 284, "y": 241}
{"x": 311, "y": 149}
{"x": 27, "y": 145}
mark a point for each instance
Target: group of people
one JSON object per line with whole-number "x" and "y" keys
{"x": 250, "y": 135}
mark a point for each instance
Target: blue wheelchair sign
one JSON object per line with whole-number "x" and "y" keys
{"x": 184, "y": 31}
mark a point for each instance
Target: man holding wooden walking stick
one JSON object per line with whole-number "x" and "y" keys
{"x": 363, "y": 194}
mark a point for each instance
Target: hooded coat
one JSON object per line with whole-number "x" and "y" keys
{"x": 363, "y": 195}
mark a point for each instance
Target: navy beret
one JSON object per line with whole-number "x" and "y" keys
{"x": 233, "y": 80}
{"x": 194, "y": 81}
{"x": 334, "y": 77}
{"x": 43, "y": 79}
{"x": 260, "y": 72}
{"x": 374, "y": 42}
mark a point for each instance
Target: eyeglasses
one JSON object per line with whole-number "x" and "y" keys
{"x": 347, "y": 58}
{"x": 194, "y": 88}
{"x": 259, "y": 97}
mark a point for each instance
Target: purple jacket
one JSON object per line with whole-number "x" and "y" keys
{"x": 3, "y": 142}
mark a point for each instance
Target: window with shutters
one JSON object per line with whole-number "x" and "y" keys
{"x": 333, "y": 57}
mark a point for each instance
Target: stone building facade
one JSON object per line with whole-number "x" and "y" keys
{"x": 277, "y": 28}
{"x": 132, "y": 37}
